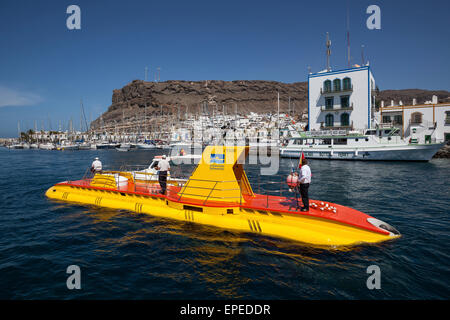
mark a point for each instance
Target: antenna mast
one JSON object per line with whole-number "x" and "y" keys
{"x": 348, "y": 34}
{"x": 362, "y": 55}
{"x": 328, "y": 44}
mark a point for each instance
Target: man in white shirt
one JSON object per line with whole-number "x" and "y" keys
{"x": 96, "y": 166}
{"x": 163, "y": 167}
{"x": 305, "y": 180}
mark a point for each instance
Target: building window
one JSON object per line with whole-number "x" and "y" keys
{"x": 347, "y": 84}
{"x": 386, "y": 119}
{"x": 345, "y": 101}
{"x": 416, "y": 117}
{"x": 447, "y": 117}
{"x": 337, "y": 85}
{"x": 345, "y": 120}
{"x": 329, "y": 103}
{"x": 327, "y": 86}
{"x": 329, "y": 120}
{"x": 398, "y": 119}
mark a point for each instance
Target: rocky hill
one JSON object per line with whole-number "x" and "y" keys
{"x": 243, "y": 96}
{"x": 406, "y": 96}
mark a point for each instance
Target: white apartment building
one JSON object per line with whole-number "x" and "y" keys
{"x": 342, "y": 99}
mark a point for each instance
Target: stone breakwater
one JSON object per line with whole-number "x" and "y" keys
{"x": 444, "y": 152}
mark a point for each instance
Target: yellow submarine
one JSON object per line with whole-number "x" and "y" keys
{"x": 219, "y": 194}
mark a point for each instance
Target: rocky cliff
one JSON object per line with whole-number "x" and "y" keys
{"x": 243, "y": 96}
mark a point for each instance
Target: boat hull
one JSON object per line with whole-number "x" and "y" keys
{"x": 398, "y": 153}
{"x": 145, "y": 147}
{"x": 307, "y": 228}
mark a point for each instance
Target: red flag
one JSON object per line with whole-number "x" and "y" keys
{"x": 300, "y": 161}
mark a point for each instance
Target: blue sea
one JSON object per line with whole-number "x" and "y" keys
{"x": 125, "y": 255}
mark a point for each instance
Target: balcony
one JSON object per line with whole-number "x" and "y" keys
{"x": 340, "y": 90}
{"x": 336, "y": 108}
{"x": 336, "y": 126}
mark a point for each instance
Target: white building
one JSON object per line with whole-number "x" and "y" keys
{"x": 341, "y": 99}
{"x": 425, "y": 122}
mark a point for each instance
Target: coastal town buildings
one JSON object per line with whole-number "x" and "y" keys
{"x": 419, "y": 122}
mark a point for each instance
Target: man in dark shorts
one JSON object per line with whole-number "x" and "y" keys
{"x": 164, "y": 168}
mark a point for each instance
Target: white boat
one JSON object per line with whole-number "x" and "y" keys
{"x": 373, "y": 144}
{"x": 145, "y": 146}
{"x": 181, "y": 145}
{"x": 84, "y": 146}
{"x": 67, "y": 147}
{"x": 16, "y": 146}
{"x": 106, "y": 145}
{"x": 47, "y": 146}
{"x": 124, "y": 147}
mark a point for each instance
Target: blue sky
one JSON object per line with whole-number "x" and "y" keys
{"x": 45, "y": 69}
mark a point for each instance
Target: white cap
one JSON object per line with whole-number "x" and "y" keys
{"x": 164, "y": 156}
{"x": 96, "y": 158}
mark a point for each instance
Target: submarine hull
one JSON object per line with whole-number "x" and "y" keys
{"x": 319, "y": 227}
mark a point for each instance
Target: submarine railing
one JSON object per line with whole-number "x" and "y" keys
{"x": 268, "y": 192}
{"x": 209, "y": 196}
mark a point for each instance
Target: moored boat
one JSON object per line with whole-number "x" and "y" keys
{"x": 374, "y": 144}
{"x": 124, "y": 147}
{"x": 47, "y": 146}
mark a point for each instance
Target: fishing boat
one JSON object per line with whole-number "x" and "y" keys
{"x": 218, "y": 193}
{"x": 371, "y": 144}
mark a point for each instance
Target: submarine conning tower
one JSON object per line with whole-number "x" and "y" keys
{"x": 219, "y": 176}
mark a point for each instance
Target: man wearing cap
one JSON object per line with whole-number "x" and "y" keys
{"x": 96, "y": 166}
{"x": 163, "y": 167}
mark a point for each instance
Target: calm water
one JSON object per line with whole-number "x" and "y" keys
{"x": 124, "y": 255}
